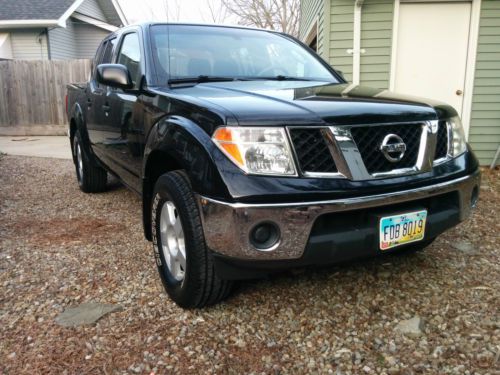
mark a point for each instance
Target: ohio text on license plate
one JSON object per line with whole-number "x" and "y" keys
{"x": 402, "y": 229}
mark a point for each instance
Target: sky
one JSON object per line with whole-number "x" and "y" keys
{"x": 177, "y": 11}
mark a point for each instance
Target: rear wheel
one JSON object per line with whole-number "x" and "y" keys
{"x": 91, "y": 178}
{"x": 183, "y": 259}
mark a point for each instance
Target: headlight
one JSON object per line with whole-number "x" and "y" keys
{"x": 458, "y": 142}
{"x": 257, "y": 150}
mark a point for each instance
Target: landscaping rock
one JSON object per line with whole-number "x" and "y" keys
{"x": 85, "y": 314}
{"x": 412, "y": 327}
{"x": 464, "y": 247}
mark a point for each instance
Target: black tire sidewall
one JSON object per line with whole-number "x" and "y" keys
{"x": 164, "y": 192}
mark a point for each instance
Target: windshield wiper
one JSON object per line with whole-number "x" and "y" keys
{"x": 280, "y": 77}
{"x": 202, "y": 79}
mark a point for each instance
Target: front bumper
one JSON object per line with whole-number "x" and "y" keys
{"x": 227, "y": 226}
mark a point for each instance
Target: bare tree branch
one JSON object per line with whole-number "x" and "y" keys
{"x": 218, "y": 12}
{"x": 281, "y": 15}
{"x": 172, "y": 9}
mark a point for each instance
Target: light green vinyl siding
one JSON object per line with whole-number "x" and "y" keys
{"x": 341, "y": 33}
{"x": 376, "y": 37}
{"x": 312, "y": 11}
{"x": 484, "y": 133}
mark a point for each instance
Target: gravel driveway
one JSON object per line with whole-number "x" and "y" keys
{"x": 60, "y": 248}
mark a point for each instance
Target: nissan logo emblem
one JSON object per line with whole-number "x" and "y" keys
{"x": 393, "y": 148}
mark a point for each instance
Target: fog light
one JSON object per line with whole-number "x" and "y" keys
{"x": 264, "y": 236}
{"x": 474, "y": 197}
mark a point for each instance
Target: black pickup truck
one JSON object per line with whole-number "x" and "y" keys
{"x": 251, "y": 154}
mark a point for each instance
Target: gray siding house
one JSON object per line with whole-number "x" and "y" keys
{"x": 447, "y": 50}
{"x": 56, "y": 29}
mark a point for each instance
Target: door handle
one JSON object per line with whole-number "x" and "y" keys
{"x": 89, "y": 103}
{"x": 459, "y": 92}
{"x": 106, "y": 108}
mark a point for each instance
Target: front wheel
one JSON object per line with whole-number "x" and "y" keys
{"x": 183, "y": 259}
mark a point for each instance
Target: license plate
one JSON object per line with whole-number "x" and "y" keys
{"x": 402, "y": 229}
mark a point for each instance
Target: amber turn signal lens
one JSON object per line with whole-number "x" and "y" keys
{"x": 257, "y": 150}
{"x": 224, "y": 138}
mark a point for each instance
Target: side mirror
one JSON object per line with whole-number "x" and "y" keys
{"x": 114, "y": 75}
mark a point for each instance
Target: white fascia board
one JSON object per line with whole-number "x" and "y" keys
{"x": 93, "y": 21}
{"x": 62, "y": 20}
{"x": 27, "y": 23}
{"x": 119, "y": 10}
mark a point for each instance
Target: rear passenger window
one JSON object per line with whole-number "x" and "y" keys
{"x": 130, "y": 56}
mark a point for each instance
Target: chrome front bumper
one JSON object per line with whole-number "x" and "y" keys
{"x": 227, "y": 225}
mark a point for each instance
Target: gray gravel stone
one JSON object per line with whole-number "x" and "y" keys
{"x": 85, "y": 314}
{"x": 91, "y": 247}
{"x": 464, "y": 247}
{"x": 411, "y": 327}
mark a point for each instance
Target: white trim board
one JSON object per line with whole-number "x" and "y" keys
{"x": 62, "y": 20}
{"x": 470, "y": 72}
{"x": 27, "y": 23}
{"x": 312, "y": 31}
{"x": 120, "y": 12}
{"x": 356, "y": 42}
{"x": 471, "y": 53}
{"x": 93, "y": 21}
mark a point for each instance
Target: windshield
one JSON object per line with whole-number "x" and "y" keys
{"x": 187, "y": 51}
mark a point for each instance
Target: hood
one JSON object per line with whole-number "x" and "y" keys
{"x": 312, "y": 103}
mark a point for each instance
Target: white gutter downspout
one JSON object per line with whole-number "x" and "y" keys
{"x": 356, "y": 52}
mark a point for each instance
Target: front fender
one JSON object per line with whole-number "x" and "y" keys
{"x": 179, "y": 143}
{"x": 189, "y": 147}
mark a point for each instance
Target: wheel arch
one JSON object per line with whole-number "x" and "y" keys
{"x": 177, "y": 143}
{"x": 77, "y": 122}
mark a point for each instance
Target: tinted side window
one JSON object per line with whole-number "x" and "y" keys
{"x": 130, "y": 56}
{"x": 108, "y": 51}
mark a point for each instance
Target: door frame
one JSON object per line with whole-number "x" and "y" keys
{"x": 470, "y": 66}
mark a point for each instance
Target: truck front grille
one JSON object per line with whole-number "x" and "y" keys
{"x": 369, "y": 138}
{"x": 442, "y": 141}
{"x": 312, "y": 151}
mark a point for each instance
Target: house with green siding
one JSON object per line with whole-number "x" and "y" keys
{"x": 445, "y": 50}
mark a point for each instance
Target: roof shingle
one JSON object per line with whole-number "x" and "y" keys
{"x": 33, "y": 9}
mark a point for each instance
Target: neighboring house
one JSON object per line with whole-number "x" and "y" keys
{"x": 56, "y": 29}
{"x": 446, "y": 50}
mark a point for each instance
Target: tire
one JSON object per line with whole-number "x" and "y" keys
{"x": 91, "y": 178}
{"x": 184, "y": 262}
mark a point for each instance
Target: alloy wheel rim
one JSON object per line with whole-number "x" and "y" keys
{"x": 172, "y": 240}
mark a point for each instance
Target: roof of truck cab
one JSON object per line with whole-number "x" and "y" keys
{"x": 147, "y": 24}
